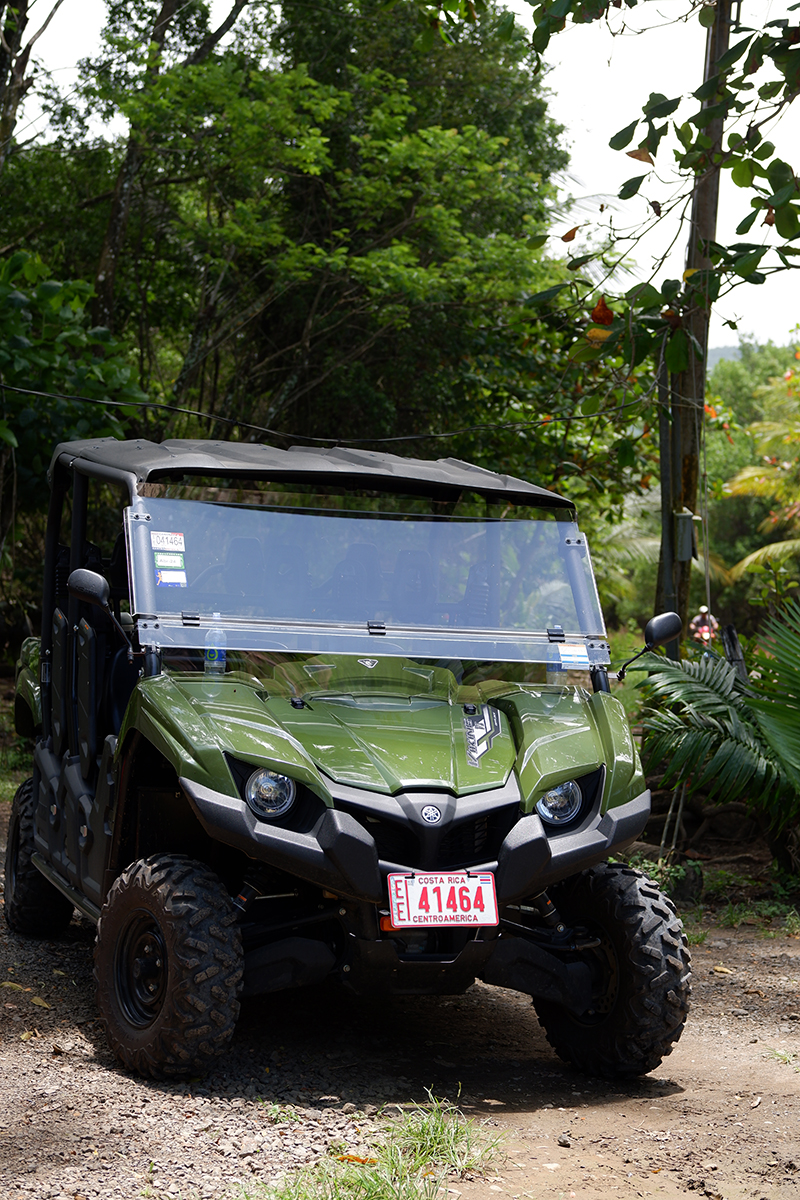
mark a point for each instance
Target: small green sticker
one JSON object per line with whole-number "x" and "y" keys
{"x": 169, "y": 560}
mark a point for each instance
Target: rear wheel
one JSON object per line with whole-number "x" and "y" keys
{"x": 641, "y": 974}
{"x": 32, "y": 904}
{"x": 168, "y": 967}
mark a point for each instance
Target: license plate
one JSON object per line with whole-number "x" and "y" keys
{"x": 438, "y": 899}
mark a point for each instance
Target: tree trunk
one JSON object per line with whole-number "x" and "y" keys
{"x": 131, "y": 164}
{"x": 680, "y": 457}
{"x": 14, "y": 59}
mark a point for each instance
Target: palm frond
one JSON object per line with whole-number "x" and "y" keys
{"x": 709, "y": 737}
{"x": 709, "y": 684}
{"x": 776, "y": 706}
{"x": 775, "y": 552}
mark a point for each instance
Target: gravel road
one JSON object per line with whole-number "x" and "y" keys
{"x": 309, "y": 1071}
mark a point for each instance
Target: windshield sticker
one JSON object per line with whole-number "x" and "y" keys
{"x": 369, "y": 663}
{"x": 480, "y": 731}
{"x": 166, "y": 541}
{"x": 164, "y": 558}
{"x": 170, "y": 578}
{"x": 574, "y": 657}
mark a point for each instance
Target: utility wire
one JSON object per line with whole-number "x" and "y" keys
{"x": 411, "y": 437}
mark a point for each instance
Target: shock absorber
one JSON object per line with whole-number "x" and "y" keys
{"x": 548, "y": 913}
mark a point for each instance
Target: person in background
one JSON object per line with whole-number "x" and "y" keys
{"x": 704, "y": 626}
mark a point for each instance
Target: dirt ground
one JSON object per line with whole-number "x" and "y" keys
{"x": 308, "y": 1070}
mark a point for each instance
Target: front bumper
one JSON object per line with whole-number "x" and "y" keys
{"x": 340, "y": 855}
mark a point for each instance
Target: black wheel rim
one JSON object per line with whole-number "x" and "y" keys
{"x": 140, "y": 969}
{"x": 604, "y": 965}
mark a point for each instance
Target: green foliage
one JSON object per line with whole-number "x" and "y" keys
{"x": 47, "y": 344}
{"x": 411, "y": 1162}
{"x": 666, "y": 874}
{"x": 717, "y": 736}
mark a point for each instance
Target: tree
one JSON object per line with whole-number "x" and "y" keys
{"x": 48, "y": 346}
{"x": 189, "y": 19}
{"x": 15, "y": 56}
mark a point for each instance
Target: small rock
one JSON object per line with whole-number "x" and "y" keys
{"x": 564, "y": 1140}
{"x": 348, "y": 1108}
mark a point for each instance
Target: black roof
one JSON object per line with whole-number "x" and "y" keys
{"x": 137, "y": 461}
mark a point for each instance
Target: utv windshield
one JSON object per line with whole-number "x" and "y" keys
{"x": 309, "y": 572}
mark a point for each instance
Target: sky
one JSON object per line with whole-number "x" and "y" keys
{"x": 600, "y": 77}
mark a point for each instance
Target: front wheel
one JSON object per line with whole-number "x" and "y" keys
{"x": 641, "y": 974}
{"x": 168, "y": 967}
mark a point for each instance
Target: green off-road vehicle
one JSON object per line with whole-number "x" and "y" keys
{"x": 303, "y": 715}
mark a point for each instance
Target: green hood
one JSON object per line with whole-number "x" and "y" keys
{"x": 385, "y": 725}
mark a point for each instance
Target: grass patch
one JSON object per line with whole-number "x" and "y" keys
{"x": 664, "y": 873}
{"x": 721, "y": 883}
{"x": 696, "y": 937}
{"x": 428, "y": 1144}
{"x": 787, "y": 1057}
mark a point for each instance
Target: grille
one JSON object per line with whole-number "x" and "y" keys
{"x": 465, "y": 843}
{"x": 395, "y": 844}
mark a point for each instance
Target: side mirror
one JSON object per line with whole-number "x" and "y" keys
{"x": 657, "y": 632}
{"x": 89, "y": 586}
{"x": 94, "y": 589}
{"x": 662, "y": 629}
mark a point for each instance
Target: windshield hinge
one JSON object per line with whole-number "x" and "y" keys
{"x": 376, "y": 627}
{"x": 556, "y": 634}
{"x": 188, "y": 618}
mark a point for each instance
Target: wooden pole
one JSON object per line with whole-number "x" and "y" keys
{"x": 680, "y": 452}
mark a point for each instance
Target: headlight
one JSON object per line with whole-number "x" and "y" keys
{"x": 269, "y": 795}
{"x": 561, "y": 803}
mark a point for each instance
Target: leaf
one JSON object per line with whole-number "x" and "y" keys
{"x": 15, "y": 987}
{"x": 585, "y": 352}
{"x": 631, "y": 187}
{"x": 787, "y": 222}
{"x": 746, "y": 263}
{"x": 569, "y": 236}
{"x": 779, "y": 174}
{"x": 707, "y": 15}
{"x": 747, "y": 224}
{"x": 708, "y": 89}
{"x": 659, "y": 106}
{"x": 541, "y": 36}
{"x": 574, "y": 264}
{"x": 642, "y": 154}
{"x": 676, "y": 352}
{"x": 539, "y": 240}
{"x": 733, "y": 55}
{"x": 620, "y": 140}
{"x": 644, "y": 296}
{"x": 356, "y": 1158}
{"x": 26, "y": 1036}
{"x": 505, "y": 27}
{"x": 782, "y": 196}
{"x": 545, "y": 296}
{"x": 598, "y": 336}
{"x": 601, "y": 314}
{"x": 40, "y": 1002}
{"x": 743, "y": 173}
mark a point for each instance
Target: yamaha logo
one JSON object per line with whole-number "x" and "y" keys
{"x": 431, "y": 814}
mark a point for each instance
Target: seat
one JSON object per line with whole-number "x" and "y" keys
{"x": 351, "y": 592}
{"x": 244, "y": 568}
{"x": 414, "y": 590}
{"x": 475, "y": 605}
{"x": 286, "y": 581}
